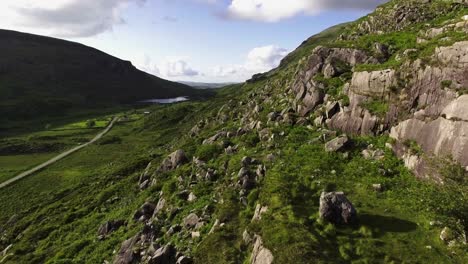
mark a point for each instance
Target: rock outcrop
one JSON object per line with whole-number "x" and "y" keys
{"x": 260, "y": 254}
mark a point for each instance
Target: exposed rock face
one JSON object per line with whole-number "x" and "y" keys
{"x": 440, "y": 137}
{"x": 457, "y": 110}
{"x": 373, "y": 84}
{"x": 336, "y": 208}
{"x": 309, "y": 93}
{"x": 260, "y": 254}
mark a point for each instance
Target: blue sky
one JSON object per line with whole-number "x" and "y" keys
{"x": 191, "y": 40}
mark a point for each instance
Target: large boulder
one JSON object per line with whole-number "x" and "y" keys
{"x": 336, "y": 208}
{"x": 164, "y": 255}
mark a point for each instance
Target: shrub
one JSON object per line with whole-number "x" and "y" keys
{"x": 208, "y": 152}
{"x": 90, "y": 123}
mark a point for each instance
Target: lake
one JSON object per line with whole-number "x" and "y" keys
{"x": 166, "y": 101}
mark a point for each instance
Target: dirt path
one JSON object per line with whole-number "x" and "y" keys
{"x": 59, "y": 157}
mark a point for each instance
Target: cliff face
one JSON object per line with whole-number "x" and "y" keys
{"x": 415, "y": 91}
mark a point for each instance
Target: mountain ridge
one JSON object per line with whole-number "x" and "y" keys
{"x": 66, "y": 74}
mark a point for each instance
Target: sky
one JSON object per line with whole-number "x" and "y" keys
{"x": 186, "y": 40}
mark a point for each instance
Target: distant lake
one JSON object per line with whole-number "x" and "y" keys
{"x": 166, "y": 101}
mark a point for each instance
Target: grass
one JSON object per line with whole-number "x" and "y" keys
{"x": 59, "y": 210}
{"x": 11, "y": 166}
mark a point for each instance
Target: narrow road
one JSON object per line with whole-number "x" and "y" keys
{"x": 59, "y": 157}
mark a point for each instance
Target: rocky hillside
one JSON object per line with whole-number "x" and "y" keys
{"x": 44, "y": 76}
{"x": 353, "y": 151}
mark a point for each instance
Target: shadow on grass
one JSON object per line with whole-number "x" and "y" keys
{"x": 387, "y": 223}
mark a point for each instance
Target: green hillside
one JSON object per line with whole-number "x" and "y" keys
{"x": 46, "y": 76}
{"x": 373, "y": 111}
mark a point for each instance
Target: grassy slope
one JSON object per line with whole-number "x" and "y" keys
{"x": 61, "y": 208}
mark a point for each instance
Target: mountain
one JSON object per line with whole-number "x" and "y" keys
{"x": 201, "y": 85}
{"x": 43, "y": 76}
{"x": 352, "y": 151}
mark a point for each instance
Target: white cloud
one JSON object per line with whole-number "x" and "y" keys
{"x": 63, "y": 18}
{"x": 258, "y": 60}
{"x": 276, "y": 10}
{"x": 265, "y": 58}
{"x": 173, "y": 68}
{"x": 177, "y": 67}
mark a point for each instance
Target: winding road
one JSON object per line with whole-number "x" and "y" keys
{"x": 59, "y": 157}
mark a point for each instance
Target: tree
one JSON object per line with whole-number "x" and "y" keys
{"x": 90, "y": 123}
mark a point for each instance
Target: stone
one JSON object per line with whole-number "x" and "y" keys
{"x": 109, "y": 227}
{"x": 215, "y": 226}
{"x": 331, "y": 109}
{"x": 329, "y": 71}
{"x": 336, "y": 208}
{"x": 260, "y": 254}
{"x": 259, "y": 210}
{"x": 164, "y": 255}
{"x": 246, "y": 237}
{"x": 447, "y": 235}
{"x": 195, "y": 235}
{"x": 145, "y": 212}
{"x": 243, "y": 172}
{"x": 373, "y": 84}
{"x": 191, "y": 220}
{"x": 174, "y": 160}
{"x": 191, "y": 197}
{"x": 184, "y": 260}
{"x": 160, "y": 206}
{"x": 457, "y": 109}
{"x": 336, "y": 144}
{"x": 126, "y": 255}
{"x": 377, "y": 187}
{"x": 246, "y": 161}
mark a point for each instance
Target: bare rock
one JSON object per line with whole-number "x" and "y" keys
{"x": 174, "y": 160}
{"x": 336, "y": 208}
{"x": 109, "y": 227}
{"x": 126, "y": 254}
{"x": 145, "y": 212}
{"x": 259, "y": 210}
{"x": 164, "y": 255}
{"x": 336, "y": 144}
{"x": 260, "y": 254}
{"x": 191, "y": 220}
